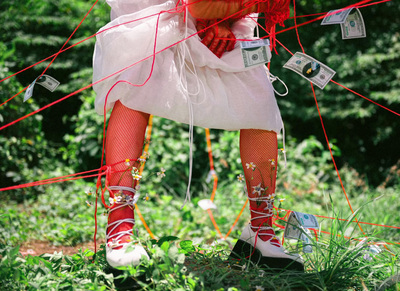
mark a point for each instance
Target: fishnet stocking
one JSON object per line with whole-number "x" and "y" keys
{"x": 125, "y": 138}
{"x": 259, "y": 154}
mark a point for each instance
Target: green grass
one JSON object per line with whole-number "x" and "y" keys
{"x": 189, "y": 254}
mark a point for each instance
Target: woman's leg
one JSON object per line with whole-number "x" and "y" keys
{"x": 125, "y": 137}
{"x": 124, "y": 140}
{"x": 259, "y": 155}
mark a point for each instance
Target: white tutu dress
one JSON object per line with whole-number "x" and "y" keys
{"x": 188, "y": 83}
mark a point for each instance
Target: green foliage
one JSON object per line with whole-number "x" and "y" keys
{"x": 53, "y": 217}
{"x": 25, "y": 152}
{"x": 52, "y": 271}
{"x": 337, "y": 263}
{"x": 83, "y": 147}
{"x": 187, "y": 254}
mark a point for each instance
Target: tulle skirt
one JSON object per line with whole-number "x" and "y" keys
{"x": 184, "y": 81}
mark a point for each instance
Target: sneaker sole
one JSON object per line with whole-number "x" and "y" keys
{"x": 243, "y": 250}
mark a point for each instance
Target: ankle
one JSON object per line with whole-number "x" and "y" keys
{"x": 121, "y": 216}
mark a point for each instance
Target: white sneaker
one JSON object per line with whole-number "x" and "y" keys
{"x": 119, "y": 250}
{"x": 128, "y": 254}
{"x": 266, "y": 254}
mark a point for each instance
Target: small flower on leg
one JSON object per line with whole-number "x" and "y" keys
{"x": 251, "y": 166}
{"x": 143, "y": 157}
{"x": 240, "y": 178}
{"x": 258, "y": 189}
{"x": 112, "y": 200}
{"x": 136, "y": 176}
{"x": 127, "y": 162}
{"x": 272, "y": 162}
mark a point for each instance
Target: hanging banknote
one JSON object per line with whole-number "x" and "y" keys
{"x": 44, "y": 80}
{"x": 297, "y": 228}
{"x": 354, "y": 26}
{"x": 255, "y": 52}
{"x": 310, "y": 69}
{"x": 336, "y": 16}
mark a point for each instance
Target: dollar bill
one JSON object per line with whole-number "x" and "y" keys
{"x": 306, "y": 220}
{"x": 298, "y": 223}
{"x": 46, "y": 81}
{"x": 292, "y": 229}
{"x": 354, "y": 26}
{"x": 310, "y": 69}
{"x": 336, "y": 16}
{"x": 29, "y": 91}
{"x": 297, "y": 227}
{"x": 307, "y": 243}
{"x": 255, "y": 52}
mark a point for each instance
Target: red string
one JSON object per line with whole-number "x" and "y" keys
{"x": 338, "y": 235}
{"x": 333, "y": 159}
{"x": 295, "y": 25}
{"x": 48, "y": 181}
{"x": 69, "y": 38}
{"x": 54, "y": 180}
{"x": 55, "y": 55}
{"x": 374, "y": 3}
{"x": 101, "y": 80}
{"x": 358, "y": 94}
{"x": 323, "y": 126}
{"x": 342, "y": 219}
{"x": 79, "y": 42}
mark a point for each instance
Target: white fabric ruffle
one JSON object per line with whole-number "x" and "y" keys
{"x": 188, "y": 80}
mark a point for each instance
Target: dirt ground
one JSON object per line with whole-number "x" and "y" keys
{"x": 36, "y": 248}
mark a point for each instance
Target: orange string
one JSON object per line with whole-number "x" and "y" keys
{"x": 210, "y": 157}
{"x": 146, "y": 149}
{"x": 214, "y": 223}
{"x": 237, "y": 219}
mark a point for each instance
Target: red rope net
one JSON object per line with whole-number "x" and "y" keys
{"x": 105, "y": 171}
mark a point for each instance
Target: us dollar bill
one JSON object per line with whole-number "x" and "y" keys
{"x": 336, "y": 16}
{"x": 29, "y": 91}
{"x": 255, "y": 52}
{"x": 298, "y": 223}
{"x": 297, "y": 227}
{"x": 46, "y": 81}
{"x": 354, "y": 26}
{"x": 306, "y": 220}
{"x": 307, "y": 243}
{"x": 310, "y": 69}
{"x": 292, "y": 229}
